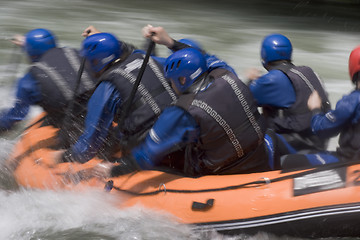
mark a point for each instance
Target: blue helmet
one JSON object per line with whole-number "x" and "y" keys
{"x": 184, "y": 67}
{"x": 38, "y": 41}
{"x": 275, "y": 47}
{"x": 100, "y": 49}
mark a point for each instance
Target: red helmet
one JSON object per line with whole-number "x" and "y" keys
{"x": 354, "y": 63}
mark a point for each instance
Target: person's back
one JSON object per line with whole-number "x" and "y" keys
{"x": 283, "y": 92}
{"x": 343, "y": 120}
{"x": 231, "y": 130}
{"x": 214, "y": 124}
{"x": 349, "y": 138}
{"x": 117, "y": 65}
{"x": 293, "y": 122}
{"x": 50, "y": 82}
{"x": 152, "y": 96}
{"x": 56, "y": 73}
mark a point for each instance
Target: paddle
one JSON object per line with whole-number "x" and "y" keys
{"x": 68, "y": 111}
{"x": 136, "y": 84}
{"x": 15, "y": 60}
{"x": 70, "y": 107}
{"x": 12, "y": 71}
{"x": 127, "y": 105}
{"x": 77, "y": 85}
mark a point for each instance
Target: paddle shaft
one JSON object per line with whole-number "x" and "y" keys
{"x": 127, "y": 106}
{"x": 15, "y": 60}
{"x": 78, "y": 81}
{"x": 70, "y": 107}
{"x": 67, "y": 122}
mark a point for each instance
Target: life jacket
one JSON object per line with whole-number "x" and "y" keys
{"x": 231, "y": 128}
{"x": 153, "y": 94}
{"x": 57, "y": 74}
{"x": 349, "y": 140}
{"x": 295, "y": 122}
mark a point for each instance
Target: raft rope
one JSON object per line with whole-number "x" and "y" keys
{"x": 14, "y": 162}
{"x": 257, "y": 183}
{"x": 33, "y": 124}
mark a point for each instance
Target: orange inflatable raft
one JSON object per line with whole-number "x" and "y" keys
{"x": 318, "y": 202}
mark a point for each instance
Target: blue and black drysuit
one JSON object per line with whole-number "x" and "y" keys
{"x": 283, "y": 93}
{"x": 344, "y": 120}
{"x": 108, "y": 99}
{"x": 27, "y": 94}
{"x": 178, "y": 130}
{"x": 50, "y": 83}
{"x": 103, "y": 107}
{"x": 200, "y": 126}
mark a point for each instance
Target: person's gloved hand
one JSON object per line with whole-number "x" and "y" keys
{"x": 90, "y": 30}
{"x": 158, "y": 35}
{"x": 18, "y": 40}
{"x": 127, "y": 164}
{"x": 252, "y": 74}
{"x": 314, "y": 101}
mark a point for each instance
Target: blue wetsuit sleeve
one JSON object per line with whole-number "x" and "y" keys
{"x": 347, "y": 111}
{"x": 273, "y": 89}
{"x": 173, "y": 130}
{"x": 102, "y": 108}
{"x": 214, "y": 62}
{"x": 27, "y": 94}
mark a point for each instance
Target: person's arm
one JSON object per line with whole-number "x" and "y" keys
{"x": 160, "y": 36}
{"x": 214, "y": 62}
{"x": 27, "y": 94}
{"x": 273, "y": 89}
{"x": 18, "y": 40}
{"x": 102, "y": 108}
{"x": 172, "y": 131}
{"x": 252, "y": 74}
{"x": 331, "y": 123}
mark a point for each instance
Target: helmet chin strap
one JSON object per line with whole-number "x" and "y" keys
{"x": 355, "y": 80}
{"x": 357, "y": 84}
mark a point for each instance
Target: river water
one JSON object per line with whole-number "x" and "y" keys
{"x": 323, "y": 33}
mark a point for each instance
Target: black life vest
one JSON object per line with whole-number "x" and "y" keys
{"x": 57, "y": 73}
{"x": 295, "y": 122}
{"x": 152, "y": 96}
{"x": 231, "y": 128}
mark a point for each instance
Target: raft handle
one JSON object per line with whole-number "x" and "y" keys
{"x": 198, "y": 206}
{"x": 267, "y": 180}
{"x": 109, "y": 186}
{"x": 162, "y": 187}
